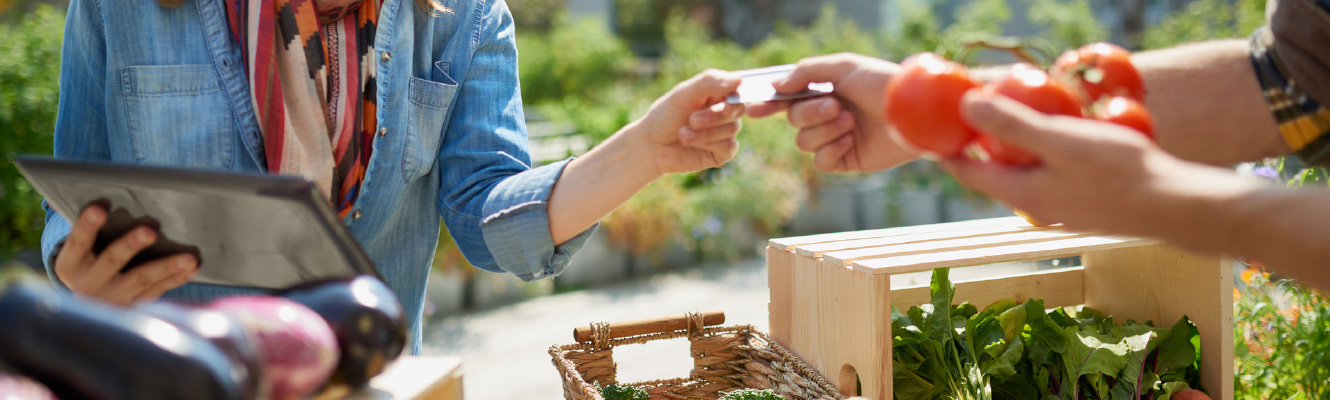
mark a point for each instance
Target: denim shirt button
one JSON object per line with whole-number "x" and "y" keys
{"x": 355, "y": 215}
{"x": 386, "y": 56}
{"x": 383, "y": 131}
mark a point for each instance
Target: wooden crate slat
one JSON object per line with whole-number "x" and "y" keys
{"x": 780, "y": 286}
{"x": 818, "y": 249}
{"x": 1058, "y": 287}
{"x": 952, "y": 245}
{"x": 989, "y": 255}
{"x": 791, "y": 242}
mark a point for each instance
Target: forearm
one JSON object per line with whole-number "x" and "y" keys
{"x": 1287, "y": 229}
{"x": 599, "y": 181}
{"x": 1207, "y": 103}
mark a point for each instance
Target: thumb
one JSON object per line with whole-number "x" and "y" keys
{"x": 815, "y": 69}
{"x": 1009, "y": 121}
{"x": 705, "y": 86}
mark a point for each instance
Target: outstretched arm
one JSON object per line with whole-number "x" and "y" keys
{"x": 688, "y": 129}
{"x": 1205, "y": 97}
{"x": 1207, "y": 103}
{"x": 1106, "y": 178}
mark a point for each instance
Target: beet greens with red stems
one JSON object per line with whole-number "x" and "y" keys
{"x": 942, "y": 350}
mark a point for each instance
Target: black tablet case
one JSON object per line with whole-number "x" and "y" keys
{"x": 248, "y": 230}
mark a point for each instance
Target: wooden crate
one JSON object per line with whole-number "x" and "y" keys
{"x": 831, "y": 294}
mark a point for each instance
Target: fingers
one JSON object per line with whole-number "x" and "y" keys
{"x": 814, "y": 112}
{"x": 836, "y": 156}
{"x": 709, "y": 84}
{"x": 164, "y": 285}
{"x": 716, "y": 115}
{"x": 113, "y": 259}
{"x": 812, "y": 139}
{"x": 150, "y": 280}
{"x": 1011, "y": 185}
{"x": 829, "y": 68}
{"x": 700, "y": 138}
{"x": 78, "y": 244}
{"x": 1010, "y": 121}
{"x": 766, "y": 109}
{"x": 722, "y": 151}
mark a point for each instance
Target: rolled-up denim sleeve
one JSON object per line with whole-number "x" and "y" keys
{"x": 80, "y": 122}
{"x": 517, "y": 225}
{"x": 53, "y": 238}
{"x": 492, "y": 201}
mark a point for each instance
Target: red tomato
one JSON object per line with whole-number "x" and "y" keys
{"x": 1101, "y": 69}
{"x": 923, "y": 104}
{"x": 1127, "y": 112}
{"x": 1033, "y": 87}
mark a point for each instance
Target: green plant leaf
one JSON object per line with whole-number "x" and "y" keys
{"x": 1089, "y": 352}
{"x": 909, "y": 385}
{"x": 751, "y": 394}
{"x": 622, "y": 392}
{"x": 1098, "y": 384}
{"x": 1176, "y": 353}
{"x": 1004, "y": 365}
{"x": 1141, "y": 340}
{"x": 1172, "y": 388}
{"x": 1043, "y": 337}
{"x": 938, "y": 325}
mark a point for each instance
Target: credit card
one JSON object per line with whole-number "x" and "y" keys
{"x": 756, "y": 86}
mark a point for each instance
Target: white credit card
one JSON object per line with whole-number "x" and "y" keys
{"x": 756, "y": 86}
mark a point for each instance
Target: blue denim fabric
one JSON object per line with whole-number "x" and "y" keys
{"x": 145, "y": 84}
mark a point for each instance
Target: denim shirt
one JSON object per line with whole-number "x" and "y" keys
{"x": 145, "y": 84}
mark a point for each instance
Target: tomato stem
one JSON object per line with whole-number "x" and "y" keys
{"x": 1017, "y": 49}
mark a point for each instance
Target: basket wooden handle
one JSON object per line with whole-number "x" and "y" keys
{"x": 649, "y": 326}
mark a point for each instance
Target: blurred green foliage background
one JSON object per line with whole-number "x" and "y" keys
{"x": 587, "y": 78}
{"x": 29, "y": 93}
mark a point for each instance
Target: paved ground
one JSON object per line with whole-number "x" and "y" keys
{"x": 505, "y": 349}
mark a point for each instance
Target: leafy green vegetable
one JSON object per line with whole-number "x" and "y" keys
{"x": 751, "y": 394}
{"x": 1089, "y": 353}
{"x": 618, "y": 392}
{"x": 1131, "y": 384}
{"x": 934, "y": 353}
{"x": 1021, "y": 351}
{"x": 1172, "y": 388}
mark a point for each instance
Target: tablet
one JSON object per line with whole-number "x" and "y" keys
{"x": 247, "y": 230}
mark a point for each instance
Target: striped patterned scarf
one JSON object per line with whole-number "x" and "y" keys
{"x": 312, "y": 84}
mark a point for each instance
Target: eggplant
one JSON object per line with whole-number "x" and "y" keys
{"x": 82, "y": 349}
{"x": 369, "y": 322}
{"x": 15, "y": 387}
{"x": 225, "y": 333}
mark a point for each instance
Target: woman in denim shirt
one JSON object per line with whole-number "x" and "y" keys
{"x": 400, "y": 112}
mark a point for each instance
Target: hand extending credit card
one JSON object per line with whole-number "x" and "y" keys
{"x": 756, "y": 86}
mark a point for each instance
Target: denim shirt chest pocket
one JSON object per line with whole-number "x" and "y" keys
{"x": 430, "y": 100}
{"x": 178, "y": 115}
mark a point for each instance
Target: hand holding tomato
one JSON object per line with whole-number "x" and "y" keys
{"x": 1094, "y": 176}
{"x": 1035, "y": 88}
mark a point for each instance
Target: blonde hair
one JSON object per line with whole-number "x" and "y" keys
{"x": 435, "y": 7}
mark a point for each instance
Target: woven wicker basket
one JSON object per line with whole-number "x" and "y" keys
{"x": 724, "y": 359}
